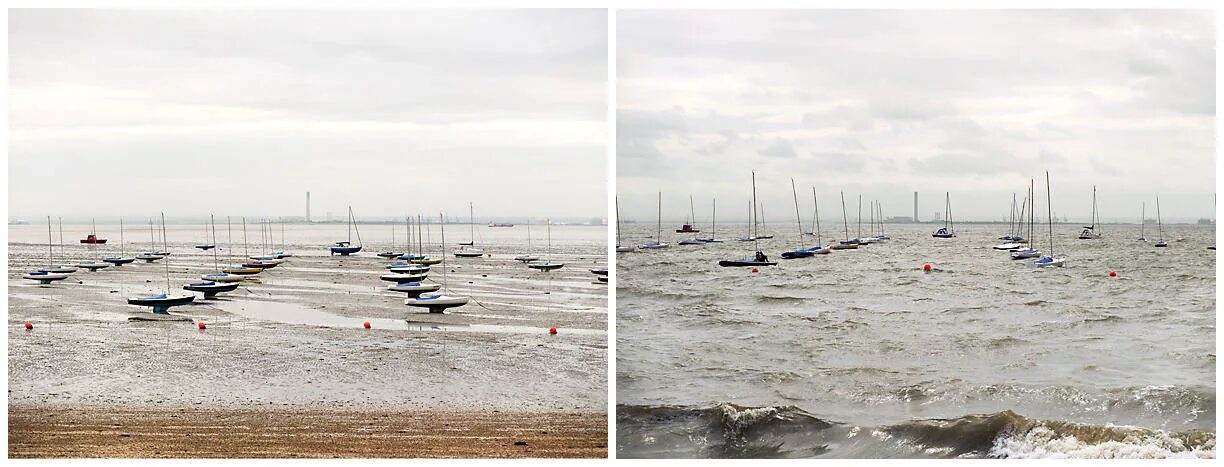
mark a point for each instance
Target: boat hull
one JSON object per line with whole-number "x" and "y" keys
{"x": 118, "y": 261}
{"x": 437, "y": 303}
{"x": 45, "y": 277}
{"x": 414, "y": 289}
{"x": 210, "y": 289}
{"x": 161, "y": 303}
{"x": 546, "y": 266}
{"x": 344, "y": 250}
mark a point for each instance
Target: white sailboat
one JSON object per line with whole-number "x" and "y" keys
{"x": 547, "y": 265}
{"x": 1029, "y": 251}
{"x": 799, "y": 251}
{"x": 1092, "y": 232}
{"x": 1159, "y": 227}
{"x": 45, "y": 276}
{"x": 621, "y": 247}
{"x": 94, "y": 264}
{"x": 161, "y": 303}
{"x": 121, "y": 259}
{"x": 819, "y": 248}
{"x": 219, "y": 276}
{"x": 657, "y": 243}
{"x": 438, "y": 302}
{"x": 1142, "y": 222}
{"x": 346, "y": 248}
{"x": 151, "y": 255}
{"x": 464, "y": 251}
{"x": 528, "y": 257}
{"x": 949, "y": 229}
{"x": 60, "y": 268}
{"x": 1050, "y": 260}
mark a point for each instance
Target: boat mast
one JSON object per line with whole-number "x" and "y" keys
{"x": 213, "y": 221}
{"x": 618, "y": 221}
{"x": 659, "y": 228}
{"x": 229, "y": 234}
{"x": 355, "y": 228}
{"x": 471, "y": 223}
{"x": 529, "y": 234}
{"x": 63, "y": 252}
{"x": 795, "y": 195}
{"x": 1159, "y": 224}
{"x": 166, "y": 248}
{"x": 152, "y": 245}
{"x": 443, "y": 220}
{"x": 549, "y": 230}
{"x": 1142, "y": 215}
{"x": 50, "y": 252}
{"x": 859, "y": 219}
{"x": 713, "y": 218}
{"x": 816, "y": 215}
{"x": 121, "y": 237}
{"x": 245, "y": 250}
{"x": 692, "y": 213}
{"x": 845, "y": 219}
{"x": 350, "y": 225}
{"x": 1050, "y": 213}
{"x": 756, "y": 231}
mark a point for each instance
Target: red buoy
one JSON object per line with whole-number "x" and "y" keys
{"x": 926, "y": 267}
{"x": 552, "y": 330}
{"x": 756, "y": 270}
{"x": 29, "y": 325}
{"x": 1113, "y": 274}
{"x": 366, "y": 325}
{"x": 201, "y": 325}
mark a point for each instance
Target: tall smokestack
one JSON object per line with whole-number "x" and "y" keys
{"x": 307, "y": 206}
{"x": 915, "y": 207}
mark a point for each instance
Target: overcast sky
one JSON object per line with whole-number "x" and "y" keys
{"x": 240, "y": 112}
{"x": 885, "y": 103}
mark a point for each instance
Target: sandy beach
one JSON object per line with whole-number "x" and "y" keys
{"x": 287, "y": 352}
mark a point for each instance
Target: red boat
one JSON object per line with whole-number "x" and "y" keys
{"x": 687, "y": 228}
{"x": 91, "y": 238}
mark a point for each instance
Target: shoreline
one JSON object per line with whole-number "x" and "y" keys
{"x": 122, "y": 431}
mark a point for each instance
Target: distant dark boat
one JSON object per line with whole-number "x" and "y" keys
{"x": 948, "y": 230}
{"x": 346, "y": 248}
{"x": 492, "y": 224}
{"x": 758, "y": 258}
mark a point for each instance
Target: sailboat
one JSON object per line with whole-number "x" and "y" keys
{"x": 346, "y": 248}
{"x": 45, "y": 277}
{"x": 1013, "y": 239}
{"x": 800, "y": 251}
{"x": 948, "y": 230}
{"x": 751, "y": 225}
{"x": 390, "y": 253}
{"x": 657, "y": 243}
{"x": 119, "y": 260}
{"x": 218, "y": 276}
{"x": 412, "y": 288}
{"x": 762, "y": 223}
{"x": 421, "y": 257}
{"x": 818, "y": 249}
{"x": 161, "y": 303}
{"x": 93, "y": 265}
{"x": 859, "y": 239}
{"x": 60, "y": 268}
{"x": 713, "y": 220}
{"x": 151, "y": 255}
{"x": 1090, "y": 232}
{"x": 464, "y": 251}
{"x": 1213, "y": 208}
{"x": 1142, "y": 222}
{"x": 1159, "y": 227}
{"x": 1028, "y": 251}
{"x": 759, "y": 258}
{"x": 239, "y": 269}
{"x": 547, "y": 265}
{"x": 1050, "y": 260}
{"x": 438, "y": 302}
{"x": 620, "y": 245}
{"x": 688, "y": 226}
{"x": 203, "y": 246}
{"x": 217, "y": 282}
{"x": 846, "y": 244}
{"x": 528, "y": 257}
{"x": 257, "y": 262}
{"x": 92, "y": 238}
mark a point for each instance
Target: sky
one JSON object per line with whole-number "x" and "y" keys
{"x": 241, "y": 112}
{"x": 886, "y": 103}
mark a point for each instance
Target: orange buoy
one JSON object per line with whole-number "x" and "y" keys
{"x": 756, "y": 270}
{"x": 29, "y": 325}
{"x": 552, "y": 330}
{"x": 201, "y": 325}
{"x": 366, "y": 325}
{"x": 1113, "y": 274}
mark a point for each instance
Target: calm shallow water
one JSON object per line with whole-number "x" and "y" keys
{"x": 862, "y": 354}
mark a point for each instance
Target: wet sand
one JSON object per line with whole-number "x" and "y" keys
{"x": 290, "y": 341}
{"x": 226, "y": 433}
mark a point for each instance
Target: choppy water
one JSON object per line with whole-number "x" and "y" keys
{"x": 862, "y": 354}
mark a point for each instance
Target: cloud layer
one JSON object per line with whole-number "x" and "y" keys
{"x": 127, "y": 112}
{"x": 885, "y": 103}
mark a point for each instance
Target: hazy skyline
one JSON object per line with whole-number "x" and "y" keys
{"x": 240, "y": 112}
{"x": 886, "y": 103}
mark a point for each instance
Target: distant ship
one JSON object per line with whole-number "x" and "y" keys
{"x": 493, "y": 224}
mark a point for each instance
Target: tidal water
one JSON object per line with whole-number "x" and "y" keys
{"x": 861, "y": 353}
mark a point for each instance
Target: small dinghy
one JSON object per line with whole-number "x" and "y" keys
{"x": 1025, "y": 253}
{"x": 414, "y": 289}
{"x": 118, "y": 261}
{"x": 943, "y": 233}
{"x": 402, "y": 278}
{"x": 692, "y": 241}
{"x": 801, "y": 251}
{"x": 1008, "y": 246}
{"x": 798, "y": 253}
{"x": 259, "y": 264}
{"x": 409, "y": 269}
{"x": 281, "y": 254}
{"x": 603, "y": 279}
{"x": 546, "y": 266}
{"x": 210, "y": 289}
{"x": 436, "y": 303}
{"x": 410, "y": 257}
{"x": 206, "y": 247}
{"x": 625, "y": 248}
{"x": 526, "y": 258}
{"x": 242, "y": 270}
{"x": 149, "y": 257}
{"x": 58, "y": 269}
{"x": 469, "y": 253}
{"x": 389, "y": 254}
{"x": 425, "y": 260}
{"x": 268, "y": 259}
{"x": 599, "y": 271}
{"x": 1049, "y": 261}
{"x": 654, "y": 245}
{"x": 344, "y": 249}
{"x": 93, "y": 265}
{"x": 45, "y": 277}
{"x": 161, "y": 303}
{"x": 844, "y": 246}
{"x": 759, "y": 260}
{"x": 1161, "y": 244}
{"x": 221, "y": 277}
